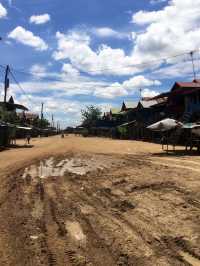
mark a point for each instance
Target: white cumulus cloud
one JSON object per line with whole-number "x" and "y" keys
{"x": 75, "y": 46}
{"x": 149, "y": 93}
{"x": 140, "y": 82}
{"x": 127, "y": 87}
{"x": 40, "y": 19}
{"x": 3, "y": 11}
{"x": 110, "y": 92}
{"x": 172, "y": 30}
{"x": 38, "y": 70}
{"x": 107, "y": 32}
{"x": 70, "y": 71}
{"x": 26, "y": 37}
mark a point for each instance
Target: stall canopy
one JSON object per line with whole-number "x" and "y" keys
{"x": 195, "y": 128}
{"x": 191, "y": 125}
{"x": 128, "y": 124}
{"x": 24, "y": 128}
{"x": 165, "y": 125}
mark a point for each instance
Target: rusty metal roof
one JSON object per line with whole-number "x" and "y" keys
{"x": 187, "y": 85}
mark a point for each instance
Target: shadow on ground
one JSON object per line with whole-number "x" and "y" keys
{"x": 171, "y": 153}
{"x": 15, "y": 146}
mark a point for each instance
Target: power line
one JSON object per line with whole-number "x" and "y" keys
{"x": 86, "y": 85}
{"x": 105, "y": 86}
{"x": 149, "y": 63}
{"x": 18, "y": 84}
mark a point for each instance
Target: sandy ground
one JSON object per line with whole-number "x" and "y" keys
{"x": 92, "y": 201}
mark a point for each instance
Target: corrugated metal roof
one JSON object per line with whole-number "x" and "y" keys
{"x": 179, "y": 88}
{"x": 160, "y": 96}
{"x": 188, "y": 84}
{"x": 147, "y": 104}
{"x": 14, "y": 106}
{"x": 131, "y": 105}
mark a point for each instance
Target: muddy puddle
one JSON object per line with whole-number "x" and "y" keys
{"x": 52, "y": 167}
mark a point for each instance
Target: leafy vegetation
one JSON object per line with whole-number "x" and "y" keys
{"x": 90, "y": 115}
{"x": 8, "y": 116}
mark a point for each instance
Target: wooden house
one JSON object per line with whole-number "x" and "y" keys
{"x": 9, "y": 118}
{"x": 9, "y": 110}
{"x": 138, "y": 115}
{"x": 116, "y": 115}
{"x": 127, "y": 106}
{"x": 12, "y": 106}
{"x": 183, "y": 101}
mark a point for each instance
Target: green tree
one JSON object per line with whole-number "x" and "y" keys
{"x": 41, "y": 123}
{"x": 90, "y": 115}
{"x": 8, "y": 116}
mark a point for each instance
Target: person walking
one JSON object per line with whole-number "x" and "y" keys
{"x": 28, "y": 138}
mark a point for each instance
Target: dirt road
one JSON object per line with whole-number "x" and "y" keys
{"x": 91, "y": 201}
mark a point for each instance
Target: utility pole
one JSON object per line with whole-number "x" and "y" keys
{"x": 42, "y": 108}
{"x": 57, "y": 128}
{"x": 194, "y": 73}
{"x": 6, "y": 83}
{"x": 140, "y": 90}
{"x": 52, "y": 121}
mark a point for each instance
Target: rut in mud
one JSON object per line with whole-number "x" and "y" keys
{"x": 98, "y": 210}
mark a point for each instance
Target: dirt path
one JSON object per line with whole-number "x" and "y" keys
{"x": 98, "y": 202}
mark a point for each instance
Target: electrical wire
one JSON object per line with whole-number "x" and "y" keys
{"x": 20, "y": 87}
{"x": 149, "y": 63}
{"x": 87, "y": 85}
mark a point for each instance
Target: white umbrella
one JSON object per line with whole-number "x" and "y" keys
{"x": 165, "y": 125}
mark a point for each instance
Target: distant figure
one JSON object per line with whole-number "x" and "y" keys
{"x": 13, "y": 141}
{"x": 62, "y": 135}
{"x": 28, "y": 138}
{"x": 163, "y": 141}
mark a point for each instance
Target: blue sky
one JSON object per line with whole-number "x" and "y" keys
{"x": 73, "y": 53}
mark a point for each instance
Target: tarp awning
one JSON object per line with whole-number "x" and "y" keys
{"x": 24, "y": 128}
{"x": 5, "y": 124}
{"x": 191, "y": 125}
{"x": 128, "y": 124}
